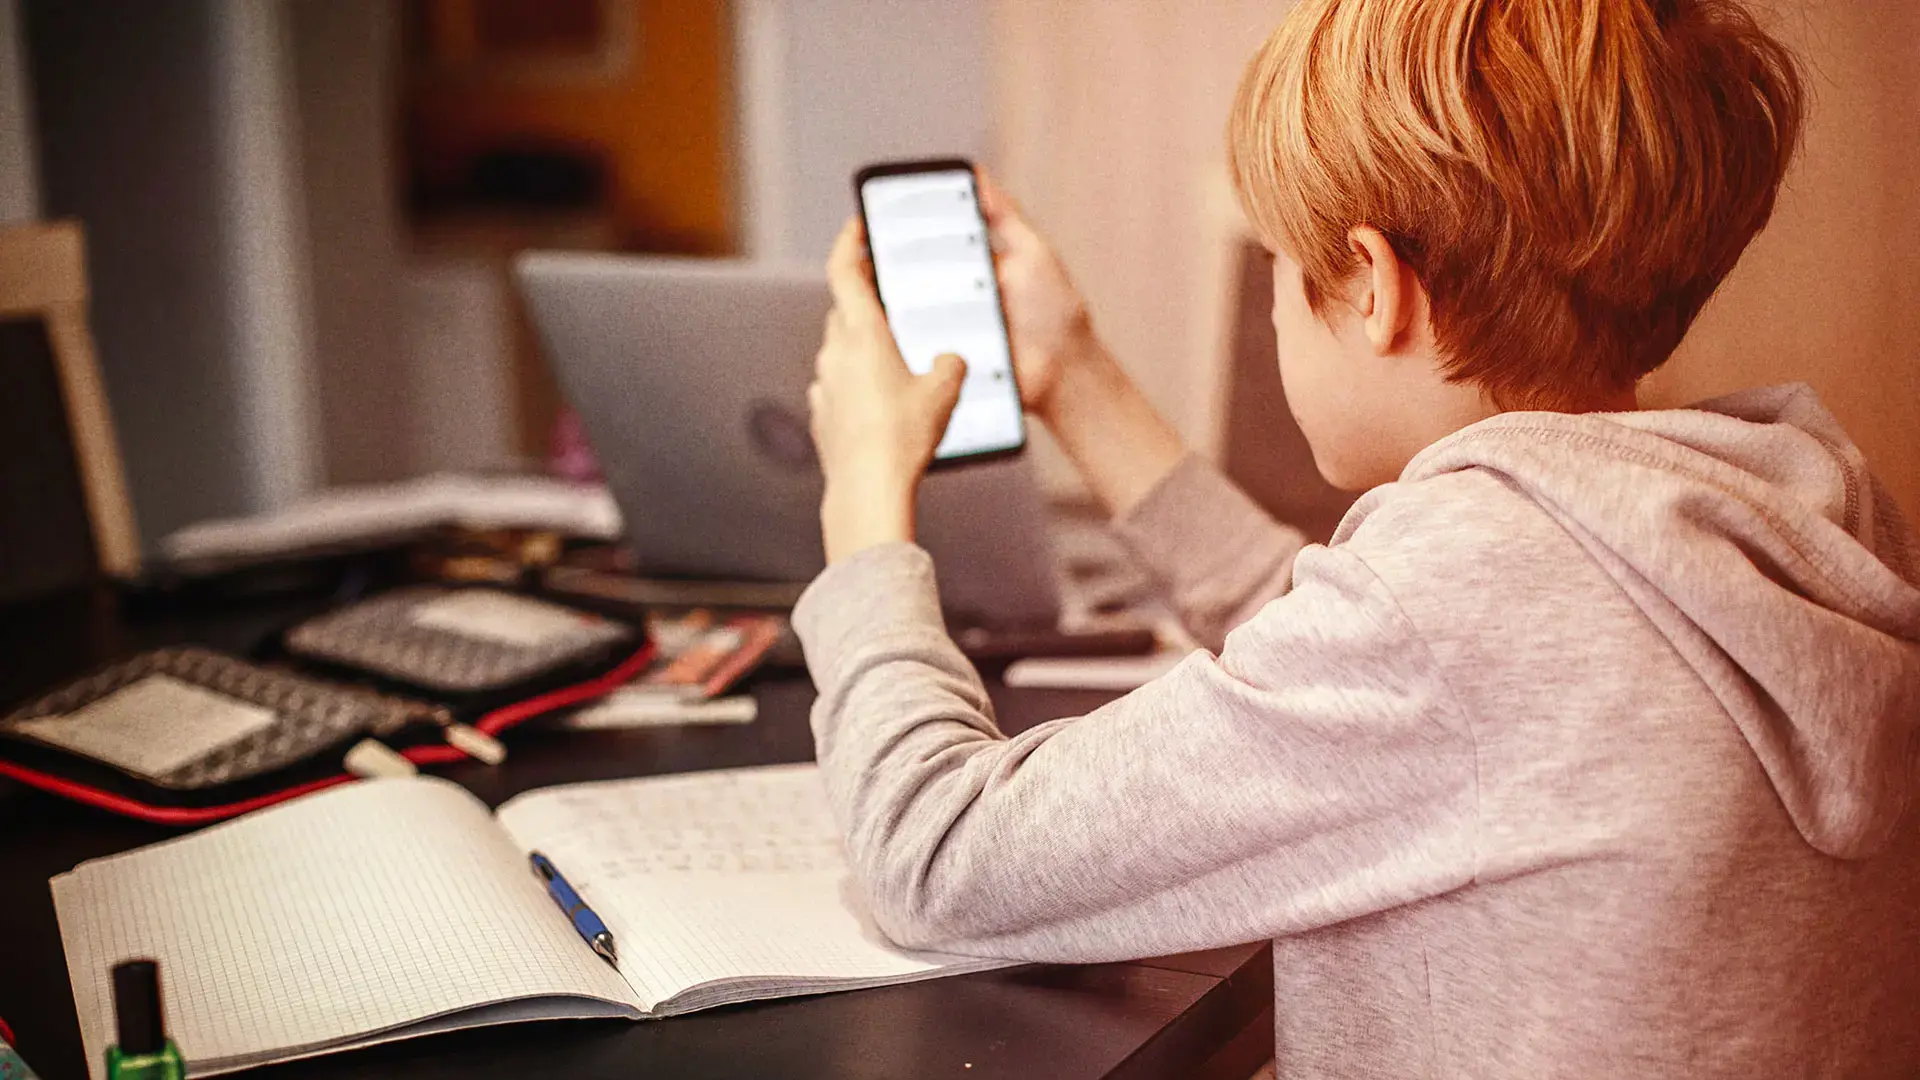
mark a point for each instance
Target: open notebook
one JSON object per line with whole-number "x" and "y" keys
{"x": 393, "y": 908}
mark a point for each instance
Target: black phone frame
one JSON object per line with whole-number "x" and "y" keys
{"x": 937, "y": 165}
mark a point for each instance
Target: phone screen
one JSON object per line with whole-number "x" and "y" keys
{"x": 934, "y": 266}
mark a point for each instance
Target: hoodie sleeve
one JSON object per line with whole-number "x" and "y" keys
{"x": 1218, "y": 557}
{"x": 1312, "y": 773}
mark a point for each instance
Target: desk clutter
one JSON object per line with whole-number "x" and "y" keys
{"x": 341, "y": 898}
{"x": 419, "y": 676}
{"x": 339, "y": 929}
{"x": 356, "y": 517}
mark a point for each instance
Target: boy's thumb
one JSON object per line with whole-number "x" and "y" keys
{"x": 942, "y": 384}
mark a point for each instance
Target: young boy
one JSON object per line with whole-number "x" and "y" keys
{"x": 1586, "y": 746}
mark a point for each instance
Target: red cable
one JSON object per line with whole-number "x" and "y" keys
{"x": 6, "y": 1033}
{"x": 492, "y": 723}
{"x": 508, "y": 715}
{"x": 159, "y": 815}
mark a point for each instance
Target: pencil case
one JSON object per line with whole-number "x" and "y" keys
{"x": 466, "y": 648}
{"x": 186, "y": 728}
{"x": 186, "y": 736}
{"x": 474, "y": 651}
{"x": 188, "y": 719}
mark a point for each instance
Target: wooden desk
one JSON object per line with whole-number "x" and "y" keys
{"x": 1201, "y": 1015}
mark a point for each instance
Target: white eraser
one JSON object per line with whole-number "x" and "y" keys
{"x": 475, "y": 743}
{"x": 375, "y": 760}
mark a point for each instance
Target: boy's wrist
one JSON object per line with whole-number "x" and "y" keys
{"x": 1122, "y": 446}
{"x": 864, "y": 512}
{"x": 1080, "y": 360}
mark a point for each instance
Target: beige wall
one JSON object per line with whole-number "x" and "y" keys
{"x": 1111, "y": 117}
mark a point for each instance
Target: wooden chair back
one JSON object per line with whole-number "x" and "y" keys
{"x": 43, "y": 322}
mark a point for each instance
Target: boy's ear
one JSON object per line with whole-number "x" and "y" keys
{"x": 1391, "y": 298}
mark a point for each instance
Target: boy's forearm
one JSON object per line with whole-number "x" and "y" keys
{"x": 1218, "y": 556}
{"x": 1121, "y": 444}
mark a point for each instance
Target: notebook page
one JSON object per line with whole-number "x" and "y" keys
{"x": 357, "y": 910}
{"x": 732, "y": 877}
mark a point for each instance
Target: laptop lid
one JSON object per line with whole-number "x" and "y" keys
{"x": 690, "y": 376}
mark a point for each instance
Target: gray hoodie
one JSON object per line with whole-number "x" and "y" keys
{"x": 1584, "y": 749}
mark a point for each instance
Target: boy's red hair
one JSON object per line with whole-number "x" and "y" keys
{"x": 1571, "y": 179}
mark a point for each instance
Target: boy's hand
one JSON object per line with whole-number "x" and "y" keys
{"x": 1046, "y": 316}
{"x": 875, "y": 423}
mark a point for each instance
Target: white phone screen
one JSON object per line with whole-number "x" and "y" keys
{"x": 934, "y": 267}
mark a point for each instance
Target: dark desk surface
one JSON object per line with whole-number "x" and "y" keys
{"x": 1204, "y": 1014}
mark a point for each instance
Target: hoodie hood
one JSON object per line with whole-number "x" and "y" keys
{"x": 1750, "y": 532}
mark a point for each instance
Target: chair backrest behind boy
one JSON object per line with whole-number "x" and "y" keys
{"x": 64, "y": 513}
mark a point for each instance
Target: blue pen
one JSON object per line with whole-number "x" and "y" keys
{"x": 584, "y": 920}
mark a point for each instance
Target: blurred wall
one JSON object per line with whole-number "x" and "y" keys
{"x": 262, "y": 247}
{"x": 166, "y": 129}
{"x": 1111, "y": 129}
{"x": 124, "y": 98}
{"x": 344, "y": 69}
{"x": 830, "y": 85}
{"x": 1085, "y": 108}
{"x": 19, "y": 167}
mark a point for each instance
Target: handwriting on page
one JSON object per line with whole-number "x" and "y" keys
{"x": 717, "y": 885}
{"x": 718, "y": 823}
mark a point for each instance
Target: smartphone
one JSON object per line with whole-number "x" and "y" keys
{"x": 934, "y": 267}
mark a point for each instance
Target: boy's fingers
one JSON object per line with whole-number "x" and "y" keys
{"x": 942, "y": 384}
{"x": 948, "y": 366}
{"x": 848, "y": 275}
{"x": 994, "y": 201}
{"x": 830, "y": 339}
{"x": 1002, "y": 213}
{"x": 816, "y": 411}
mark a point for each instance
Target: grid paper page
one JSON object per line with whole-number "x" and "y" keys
{"x": 361, "y": 909}
{"x": 734, "y": 877}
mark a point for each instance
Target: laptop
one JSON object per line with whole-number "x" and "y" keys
{"x": 690, "y": 376}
